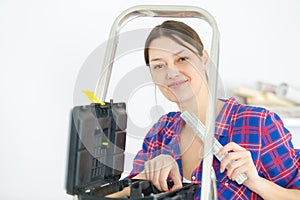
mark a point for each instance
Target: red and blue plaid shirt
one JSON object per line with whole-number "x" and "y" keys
{"x": 256, "y": 129}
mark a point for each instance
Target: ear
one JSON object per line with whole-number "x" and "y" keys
{"x": 205, "y": 59}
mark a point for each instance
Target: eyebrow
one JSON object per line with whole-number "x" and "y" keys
{"x": 175, "y": 54}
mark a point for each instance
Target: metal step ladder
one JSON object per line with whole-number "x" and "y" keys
{"x": 208, "y": 188}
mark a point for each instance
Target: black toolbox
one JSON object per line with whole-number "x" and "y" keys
{"x": 96, "y": 156}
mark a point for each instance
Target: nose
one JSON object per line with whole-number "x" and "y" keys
{"x": 172, "y": 73}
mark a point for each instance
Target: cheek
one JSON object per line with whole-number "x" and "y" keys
{"x": 197, "y": 66}
{"x": 158, "y": 79}
{"x": 198, "y": 74}
{"x": 197, "y": 83}
{"x": 197, "y": 80}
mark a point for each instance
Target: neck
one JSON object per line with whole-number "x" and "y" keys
{"x": 196, "y": 106}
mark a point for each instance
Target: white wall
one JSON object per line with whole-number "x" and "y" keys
{"x": 43, "y": 45}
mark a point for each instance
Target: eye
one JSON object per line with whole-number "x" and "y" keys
{"x": 158, "y": 66}
{"x": 183, "y": 59}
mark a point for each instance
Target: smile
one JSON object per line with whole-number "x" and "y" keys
{"x": 177, "y": 84}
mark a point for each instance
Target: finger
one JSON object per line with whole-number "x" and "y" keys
{"x": 231, "y": 146}
{"x": 150, "y": 168}
{"x": 229, "y": 158}
{"x": 176, "y": 178}
{"x": 245, "y": 165}
{"x": 171, "y": 171}
{"x": 234, "y": 166}
{"x": 240, "y": 170}
{"x": 146, "y": 170}
{"x": 156, "y": 179}
{"x": 164, "y": 173}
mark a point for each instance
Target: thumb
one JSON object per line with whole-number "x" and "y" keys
{"x": 176, "y": 178}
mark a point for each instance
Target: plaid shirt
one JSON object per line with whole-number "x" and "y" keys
{"x": 256, "y": 129}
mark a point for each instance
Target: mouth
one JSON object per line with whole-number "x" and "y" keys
{"x": 177, "y": 84}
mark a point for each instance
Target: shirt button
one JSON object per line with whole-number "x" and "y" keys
{"x": 193, "y": 178}
{"x": 226, "y": 184}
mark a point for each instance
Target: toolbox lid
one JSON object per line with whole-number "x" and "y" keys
{"x": 96, "y": 146}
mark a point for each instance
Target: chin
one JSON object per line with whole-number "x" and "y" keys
{"x": 180, "y": 98}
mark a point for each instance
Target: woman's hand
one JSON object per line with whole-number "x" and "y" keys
{"x": 243, "y": 163}
{"x": 159, "y": 169}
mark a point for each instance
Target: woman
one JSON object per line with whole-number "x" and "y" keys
{"x": 253, "y": 137}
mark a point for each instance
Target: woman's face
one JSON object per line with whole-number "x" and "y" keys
{"x": 177, "y": 71}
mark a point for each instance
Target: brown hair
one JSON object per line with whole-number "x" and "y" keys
{"x": 174, "y": 30}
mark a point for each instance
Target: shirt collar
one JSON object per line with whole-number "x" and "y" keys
{"x": 223, "y": 120}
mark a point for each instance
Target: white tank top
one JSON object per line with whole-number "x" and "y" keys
{"x": 184, "y": 180}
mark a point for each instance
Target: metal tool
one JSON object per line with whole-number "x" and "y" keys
{"x": 199, "y": 128}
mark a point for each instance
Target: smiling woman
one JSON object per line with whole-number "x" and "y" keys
{"x": 252, "y": 136}
{"x": 170, "y": 60}
{"x": 177, "y": 62}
